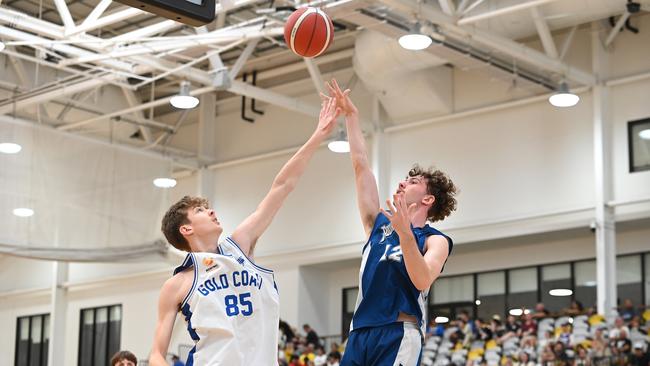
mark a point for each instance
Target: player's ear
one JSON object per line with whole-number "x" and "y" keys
{"x": 186, "y": 230}
{"x": 428, "y": 200}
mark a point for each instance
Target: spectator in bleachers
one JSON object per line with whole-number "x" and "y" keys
{"x": 308, "y": 354}
{"x": 524, "y": 360}
{"x": 582, "y": 357}
{"x": 497, "y": 328}
{"x": 529, "y": 346}
{"x": 619, "y": 325}
{"x": 282, "y": 357}
{"x": 639, "y": 356}
{"x": 565, "y": 335}
{"x": 312, "y": 337}
{"x": 295, "y": 361}
{"x": 484, "y": 332}
{"x": 529, "y": 325}
{"x": 561, "y": 357}
{"x": 623, "y": 343}
{"x": 511, "y": 328}
{"x": 286, "y": 330}
{"x": 547, "y": 358}
{"x": 333, "y": 359}
{"x": 574, "y": 309}
{"x": 124, "y": 358}
{"x": 599, "y": 345}
{"x": 540, "y": 311}
{"x": 321, "y": 357}
{"x": 627, "y": 311}
{"x": 334, "y": 351}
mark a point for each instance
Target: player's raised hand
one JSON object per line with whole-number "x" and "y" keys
{"x": 399, "y": 214}
{"x": 329, "y": 112}
{"x": 342, "y": 98}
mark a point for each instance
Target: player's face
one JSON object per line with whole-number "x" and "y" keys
{"x": 414, "y": 189}
{"x": 204, "y": 221}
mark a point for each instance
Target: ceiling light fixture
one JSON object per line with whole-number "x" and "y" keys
{"x": 164, "y": 182}
{"x": 441, "y": 320}
{"x": 414, "y": 40}
{"x": 184, "y": 100}
{"x": 560, "y": 292}
{"x": 563, "y": 97}
{"x": 340, "y": 144}
{"x": 10, "y": 148}
{"x": 23, "y": 212}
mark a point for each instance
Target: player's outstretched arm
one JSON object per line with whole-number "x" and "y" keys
{"x": 247, "y": 233}
{"x": 367, "y": 195}
{"x": 167, "y": 309}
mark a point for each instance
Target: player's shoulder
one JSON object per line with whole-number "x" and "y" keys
{"x": 178, "y": 285}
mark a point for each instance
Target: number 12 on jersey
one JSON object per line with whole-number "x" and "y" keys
{"x": 233, "y": 304}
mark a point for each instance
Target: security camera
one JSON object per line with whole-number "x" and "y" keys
{"x": 592, "y": 226}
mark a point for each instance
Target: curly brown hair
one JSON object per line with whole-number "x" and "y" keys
{"x": 123, "y": 355}
{"x": 176, "y": 216}
{"x": 441, "y": 187}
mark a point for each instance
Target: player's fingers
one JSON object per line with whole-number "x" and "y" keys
{"x": 388, "y": 215}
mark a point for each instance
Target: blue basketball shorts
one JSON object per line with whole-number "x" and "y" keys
{"x": 396, "y": 344}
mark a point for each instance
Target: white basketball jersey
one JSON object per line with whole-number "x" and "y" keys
{"x": 232, "y": 310}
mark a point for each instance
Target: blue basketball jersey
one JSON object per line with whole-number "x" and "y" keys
{"x": 385, "y": 288}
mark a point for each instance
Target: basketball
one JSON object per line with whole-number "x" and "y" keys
{"x": 308, "y": 32}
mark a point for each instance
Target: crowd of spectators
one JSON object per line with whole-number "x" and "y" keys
{"x": 575, "y": 336}
{"x": 305, "y": 349}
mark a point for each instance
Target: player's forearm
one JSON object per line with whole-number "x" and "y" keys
{"x": 416, "y": 267}
{"x": 358, "y": 152}
{"x": 288, "y": 176}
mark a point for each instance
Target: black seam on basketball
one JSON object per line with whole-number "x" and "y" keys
{"x": 313, "y": 30}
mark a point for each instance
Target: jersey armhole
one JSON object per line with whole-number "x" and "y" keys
{"x": 374, "y": 226}
{"x": 194, "y": 280}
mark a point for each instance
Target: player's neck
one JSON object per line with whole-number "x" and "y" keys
{"x": 419, "y": 219}
{"x": 207, "y": 244}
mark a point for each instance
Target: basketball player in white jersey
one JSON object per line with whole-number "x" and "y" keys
{"x": 229, "y": 303}
{"x": 400, "y": 260}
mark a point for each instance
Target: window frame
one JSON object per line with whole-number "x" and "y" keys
{"x": 108, "y": 334}
{"x": 43, "y": 316}
{"x": 630, "y": 150}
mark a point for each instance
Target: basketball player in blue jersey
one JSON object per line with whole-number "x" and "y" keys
{"x": 230, "y": 304}
{"x": 401, "y": 259}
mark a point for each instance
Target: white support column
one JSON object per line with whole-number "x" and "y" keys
{"x": 64, "y": 13}
{"x": 604, "y": 215}
{"x": 59, "y": 306}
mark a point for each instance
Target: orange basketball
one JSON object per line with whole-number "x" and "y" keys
{"x": 308, "y": 32}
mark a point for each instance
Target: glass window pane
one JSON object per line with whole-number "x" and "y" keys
{"x": 639, "y": 145}
{"x": 86, "y": 338}
{"x": 628, "y": 278}
{"x": 101, "y": 337}
{"x": 522, "y": 288}
{"x": 22, "y": 348}
{"x": 556, "y": 276}
{"x": 491, "y": 288}
{"x": 35, "y": 337}
{"x": 585, "y": 283}
{"x": 453, "y": 289}
{"x": 351, "y": 299}
{"x": 46, "y": 339}
{"x": 114, "y": 329}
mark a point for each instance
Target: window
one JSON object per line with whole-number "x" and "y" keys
{"x": 585, "y": 283}
{"x": 522, "y": 288}
{"x": 556, "y": 276}
{"x": 639, "y": 145}
{"x": 628, "y": 279}
{"x": 32, "y": 340}
{"x": 453, "y": 289}
{"x": 99, "y": 335}
{"x": 349, "y": 303}
{"x": 492, "y": 294}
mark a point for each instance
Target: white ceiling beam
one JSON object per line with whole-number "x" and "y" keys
{"x": 544, "y": 33}
{"x": 104, "y": 21}
{"x": 461, "y": 7}
{"x": 56, "y": 93}
{"x": 316, "y": 77}
{"x": 217, "y": 37}
{"x": 23, "y": 21}
{"x": 503, "y": 11}
{"x": 292, "y": 104}
{"x": 243, "y": 57}
{"x": 64, "y": 13}
{"x": 567, "y": 42}
{"x": 133, "y": 101}
{"x": 617, "y": 28}
{"x": 472, "y": 7}
{"x": 97, "y": 12}
{"x": 215, "y": 60}
{"x": 447, "y": 7}
{"x": 498, "y": 43}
